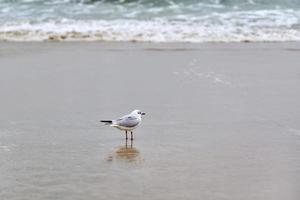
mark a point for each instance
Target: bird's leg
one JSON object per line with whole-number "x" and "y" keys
{"x": 126, "y": 135}
{"x": 131, "y": 135}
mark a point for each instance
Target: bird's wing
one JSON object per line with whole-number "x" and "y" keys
{"x": 127, "y": 121}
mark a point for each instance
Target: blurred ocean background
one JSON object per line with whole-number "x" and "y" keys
{"x": 150, "y": 20}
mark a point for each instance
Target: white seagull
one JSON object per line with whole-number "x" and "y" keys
{"x": 126, "y": 123}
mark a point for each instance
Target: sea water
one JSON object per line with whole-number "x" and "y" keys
{"x": 150, "y": 20}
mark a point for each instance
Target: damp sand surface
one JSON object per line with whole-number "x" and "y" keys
{"x": 223, "y": 121}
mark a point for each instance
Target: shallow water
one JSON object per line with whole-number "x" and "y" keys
{"x": 214, "y": 129}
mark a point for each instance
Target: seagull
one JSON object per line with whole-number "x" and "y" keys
{"x": 126, "y": 123}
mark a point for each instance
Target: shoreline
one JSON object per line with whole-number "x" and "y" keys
{"x": 164, "y": 45}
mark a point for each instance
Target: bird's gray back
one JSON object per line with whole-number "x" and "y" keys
{"x": 128, "y": 121}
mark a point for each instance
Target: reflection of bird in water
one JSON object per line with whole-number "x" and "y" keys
{"x": 126, "y": 153}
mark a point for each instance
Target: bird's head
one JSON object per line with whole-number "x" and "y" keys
{"x": 138, "y": 113}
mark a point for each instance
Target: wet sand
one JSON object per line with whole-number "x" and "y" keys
{"x": 223, "y": 121}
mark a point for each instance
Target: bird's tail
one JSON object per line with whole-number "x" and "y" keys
{"x": 107, "y": 122}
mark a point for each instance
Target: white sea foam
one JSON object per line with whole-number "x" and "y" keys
{"x": 4, "y": 148}
{"x": 294, "y": 131}
{"x": 147, "y": 31}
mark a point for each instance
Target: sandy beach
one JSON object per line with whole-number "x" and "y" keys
{"x": 223, "y": 121}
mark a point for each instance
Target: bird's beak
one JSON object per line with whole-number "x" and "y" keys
{"x": 143, "y": 113}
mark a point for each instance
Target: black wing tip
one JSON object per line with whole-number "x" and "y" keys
{"x": 106, "y": 121}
